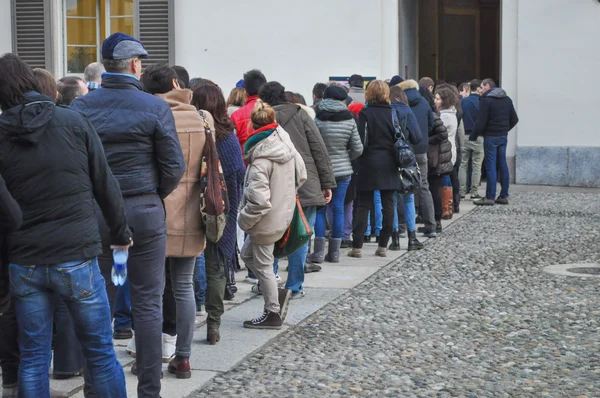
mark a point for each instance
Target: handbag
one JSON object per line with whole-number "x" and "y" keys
{"x": 214, "y": 202}
{"x": 296, "y": 234}
{"x": 410, "y": 179}
{"x": 405, "y": 157}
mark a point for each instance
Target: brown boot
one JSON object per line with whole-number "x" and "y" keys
{"x": 356, "y": 253}
{"x": 381, "y": 251}
{"x": 213, "y": 336}
{"x": 180, "y": 367}
{"x": 268, "y": 320}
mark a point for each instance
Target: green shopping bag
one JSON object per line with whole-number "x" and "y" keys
{"x": 296, "y": 235}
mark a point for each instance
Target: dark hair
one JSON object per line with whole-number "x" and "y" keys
{"x": 69, "y": 88}
{"x": 475, "y": 83}
{"x": 273, "y": 93}
{"x": 489, "y": 81}
{"x": 446, "y": 95}
{"x": 158, "y": 79}
{"x": 356, "y": 81}
{"x": 183, "y": 77}
{"x": 319, "y": 90}
{"x": 253, "y": 81}
{"x": 398, "y": 95}
{"x": 16, "y": 79}
{"x": 46, "y": 83}
{"x": 117, "y": 65}
{"x": 210, "y": 98}
{"x": 202, "y": 82}
{"x": 290, "y": 97}
{"x": 425, "y": 93}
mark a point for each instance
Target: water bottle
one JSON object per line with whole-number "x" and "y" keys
{"x": 119, "y": 270}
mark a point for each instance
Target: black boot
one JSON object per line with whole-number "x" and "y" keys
{"x": 438, "y": 227}
{"x": 413, "y": 242}
{"x": 395, "y": 245}
{"x": 229, "y": 295}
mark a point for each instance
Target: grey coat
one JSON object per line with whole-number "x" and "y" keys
{"x": 340, "y": 136}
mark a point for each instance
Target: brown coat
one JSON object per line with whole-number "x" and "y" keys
{"x": 185, "y": 236}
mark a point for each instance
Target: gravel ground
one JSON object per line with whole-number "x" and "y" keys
{"x": 472, "y": 315}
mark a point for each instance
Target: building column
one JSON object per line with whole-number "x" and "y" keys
{"x": 390, "y": 48}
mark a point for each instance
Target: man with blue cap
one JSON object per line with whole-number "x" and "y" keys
{"x": 138, "y": 132}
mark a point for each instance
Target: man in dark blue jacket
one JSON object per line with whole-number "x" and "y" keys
{"x": 424, "y": 115}
{"x": 496, "y": 117}
{"x": 473, "y": 150}
{"x": 138, "y": 132}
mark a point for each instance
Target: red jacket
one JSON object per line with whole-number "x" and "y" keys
{"x": 242, "y": 121}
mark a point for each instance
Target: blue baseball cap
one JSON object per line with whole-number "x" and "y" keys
{"x": 122, "y": 46}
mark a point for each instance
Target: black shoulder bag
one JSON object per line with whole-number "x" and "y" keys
{"x": 410, "y": 175}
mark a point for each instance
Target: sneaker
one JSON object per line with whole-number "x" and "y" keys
{"x": 200, "y": 309}
{"x": 484, "y": 202}
{"x": 298, "y": 295}
{"x": 256, "y": 288}
{"x": 67, "y": 376}
{"x": 131, "y": 347}
{"x": 277, "y": 278}
{"x": 268, "y": 320}
{"x": 284, "y": 302}
{"x": 402, "y": 234}
{"x": 346, "y": 244}
{"x": 247, "y": 279}
{"x": 122, "y": 334}
{"x": 168, "y": 347}
{"x": 475, "y": 196}
{"x": 502, "y": 201}
{"x": 367, "y": 239}
{"x": 309, "y": 267}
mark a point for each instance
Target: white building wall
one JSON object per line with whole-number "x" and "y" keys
{"x": 5, "y": 27}
{"x": 297, "y": 43}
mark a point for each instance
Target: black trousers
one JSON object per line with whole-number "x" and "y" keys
{"x": 364, "y": 203}
{"x": 435, "y": 185}
{"x": 455, "y": 185}
{"x": 10, "y": 356}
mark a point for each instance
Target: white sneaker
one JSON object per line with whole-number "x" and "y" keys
{"x": 131, "y": 347}
{"x": 277, "y": 278}
{"x": 256, "y": 288}
{"x": 250, "y": 280}
{"x": 168, "y": 347}
{"x": 201, "y": 310}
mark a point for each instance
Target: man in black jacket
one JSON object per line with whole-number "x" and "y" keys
{"x": 138, "y": 133}
{"x": 54, "y": 167}
{"x": 495, "y": 118}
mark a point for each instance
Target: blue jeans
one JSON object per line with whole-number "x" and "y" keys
{"x": 378, "y": 215}
{"x": 410, "y": 214}
{"x": 495, "y": 156}
{"x": 81, "y": 286}
{"x": 296, "y": 261}
{"x": 200, "y": 280}
{"x": 337, "y": 206}
{"x": 123, "y": 307}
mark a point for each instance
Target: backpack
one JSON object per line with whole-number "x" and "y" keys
{"x": 214, "y": 202}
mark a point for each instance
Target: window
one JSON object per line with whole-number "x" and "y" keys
{"x": 88, "y": 23}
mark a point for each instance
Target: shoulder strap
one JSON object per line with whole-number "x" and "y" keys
{"x": 399, "y": 131}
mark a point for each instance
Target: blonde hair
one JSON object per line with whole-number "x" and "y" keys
{"x": 237, "y": 97}
{"x": 262, "y": 114}
{"x": 378, "y": 92}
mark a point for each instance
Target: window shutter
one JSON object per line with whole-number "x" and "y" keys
{"x": 156, "y": 30}
{"x": 29, "y": 31}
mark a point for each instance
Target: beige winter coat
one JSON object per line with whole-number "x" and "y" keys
{"x": 185, "y": 236}
{"x": 269, "y": 188}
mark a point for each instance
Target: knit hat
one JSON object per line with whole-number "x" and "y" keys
{"x": 335, "y": 92}
{"x": 122, "y": 46}
{"x": 396, "y": 80}
{"x": 240, "y": 84}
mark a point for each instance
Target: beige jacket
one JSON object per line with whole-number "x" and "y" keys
{"x": 185, "y": 236}
{"x": 270, "y": 189}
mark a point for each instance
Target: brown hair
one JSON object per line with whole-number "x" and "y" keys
{"x": 210, "y": 98}
{"x": 46, "y": 83}
{"x": 426, "y": 82}
{"x": 447, "y": 96}
{"x": 398, "y": 95}
{"x": 262, "y": 114}
{"x": 455, "y": 101}
{"x": 378, "y": 92}
{"x": 237, "y": 97}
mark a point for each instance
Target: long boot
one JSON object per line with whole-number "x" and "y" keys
{"x": 333, "y": 252}
{"x": 413, "y": 242}
{"x": 395, "y": 245}
{"x": 318, "y": 254}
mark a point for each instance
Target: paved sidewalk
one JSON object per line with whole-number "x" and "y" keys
{"x": 237, "y": 343}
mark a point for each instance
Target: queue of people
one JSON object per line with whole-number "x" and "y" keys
{"x": 118, "y": 161}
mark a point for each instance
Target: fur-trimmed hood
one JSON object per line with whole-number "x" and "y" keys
{"x": 409, "y": 84}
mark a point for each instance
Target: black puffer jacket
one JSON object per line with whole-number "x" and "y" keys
{"x": 10, "y": 220}
{"x": 439, "y": 153}
{"x": 54, "y": 166}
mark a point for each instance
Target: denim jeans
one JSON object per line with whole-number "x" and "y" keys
{"x": 337, "y": 206}
{"x": 200, "y": 279}
{"x": 81, "y": 286}
{"x": 348, "y": 211}
{"x": 410, "y": 215}
{"x": 182, "y": 276}
{"x": 296, "y": 261}
{"x": 364, "y": 201}
{"x": 378, "y": 208}
{"x": 495, "y": 155}
{"x": 123, "y": 308}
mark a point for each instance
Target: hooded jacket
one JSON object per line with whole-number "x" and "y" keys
{"x": 496, "y": 115}
{"x": 10, "y": 220}
{"x": 306, "y": 138}
{"x": 54, "y": 166}
{"x": 185, "y": 235}
{"x": 138, "y": 133}
{"x": 274, "y": 169}
{"x": 422, "y": 112}
{"x": 340, "y": 135}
